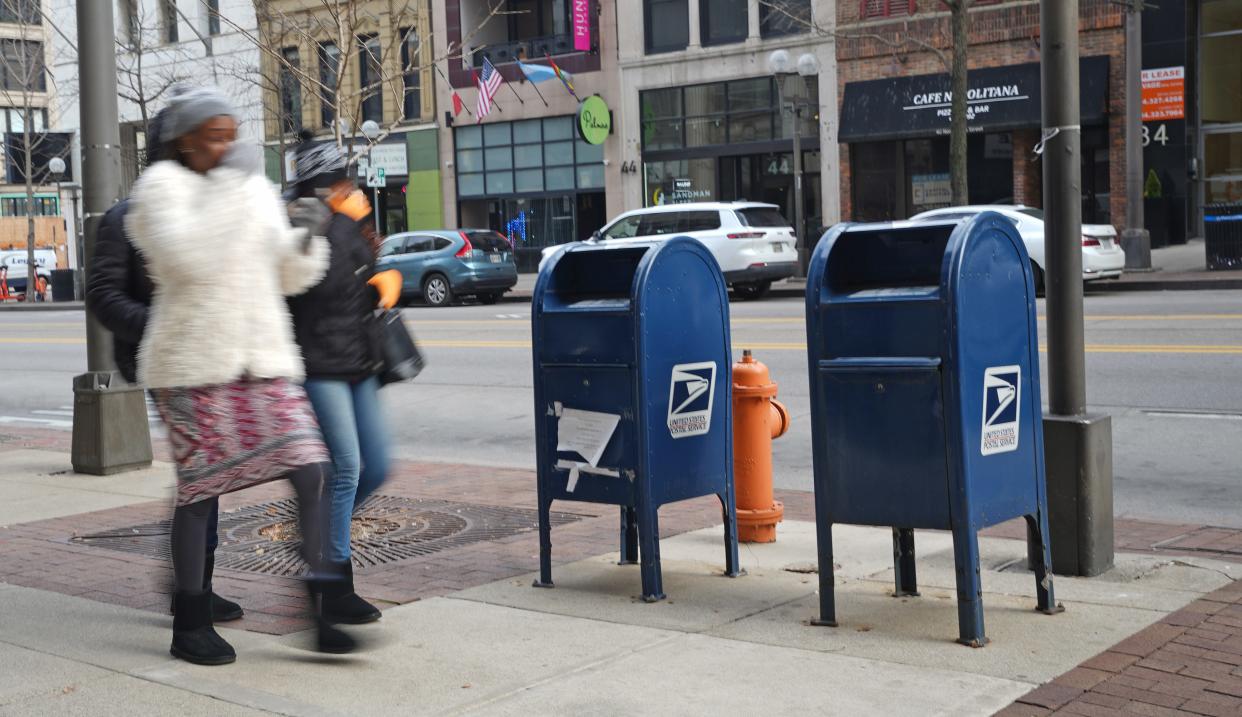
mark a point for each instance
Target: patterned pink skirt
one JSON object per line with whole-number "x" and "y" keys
{"x": 231, "y": 436}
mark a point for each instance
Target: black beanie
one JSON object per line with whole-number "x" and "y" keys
{"x": 317, "y": 165}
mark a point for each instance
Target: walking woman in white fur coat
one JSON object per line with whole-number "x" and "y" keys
{"x": 218, "y": 353}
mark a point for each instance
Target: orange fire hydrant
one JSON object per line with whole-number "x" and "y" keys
{"x": 757, "y": 419}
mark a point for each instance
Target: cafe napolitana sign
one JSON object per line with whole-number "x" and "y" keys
{"x": 594, "y": 120}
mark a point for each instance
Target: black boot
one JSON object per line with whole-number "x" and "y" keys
{"x": 194, "y": 639}
{"x": 341, "y": 604}
{"x": 328, "y": 638}
{"x": 222, "y": 610}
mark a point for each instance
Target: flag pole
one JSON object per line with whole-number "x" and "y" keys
{"x": 533, "y": 85}
{"x": 450, "y": 86}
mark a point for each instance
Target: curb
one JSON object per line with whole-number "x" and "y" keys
{"x": 44, "y": 306}
{"x": 1104, "y": 287}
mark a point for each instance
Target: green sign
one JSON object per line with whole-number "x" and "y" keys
{"x": 594, "y": 120}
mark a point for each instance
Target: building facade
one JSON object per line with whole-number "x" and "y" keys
{"x": 336, "y": 69}
{"x": 895, "y": 107}
{"x": 703, "y": 119}
{"x": 1192, "y": 114}
{"x": 526, "y": 168}
{"x": 30, "y": 120}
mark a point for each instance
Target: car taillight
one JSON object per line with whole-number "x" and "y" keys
{"x": 467, "y": 249}
{"x": 1090, "y": 241}
{"x": 748, "y": 235}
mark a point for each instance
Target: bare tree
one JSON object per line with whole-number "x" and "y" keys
{"x": 24, "y": 85}
{"x": 332, "y": 28}
{"x": 138, "y": 83}
{"x": 955, "y": 60}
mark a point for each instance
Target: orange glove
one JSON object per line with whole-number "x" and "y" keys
{"x": 388, "y": 284}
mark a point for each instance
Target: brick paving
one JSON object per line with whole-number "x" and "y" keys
{"x": 42, "y": 555}
{"x": 1189, "y": 663}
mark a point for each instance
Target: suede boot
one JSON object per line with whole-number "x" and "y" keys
{"x": 222, "y": 610}
{"x": 328, "y": 638}
{"x": 341, "y": 604}
{"x": 194, "y": 639}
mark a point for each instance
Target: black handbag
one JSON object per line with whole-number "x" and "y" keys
{"x": 402, "y": 359}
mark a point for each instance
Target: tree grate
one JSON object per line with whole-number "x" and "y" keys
{"x": 264, "y": 538}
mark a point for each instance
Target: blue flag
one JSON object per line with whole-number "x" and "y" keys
{"x": 537, "y": 73}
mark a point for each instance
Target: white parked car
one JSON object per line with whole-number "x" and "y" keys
{"x": 1102, "y": 255}
{"x": 752, "y": 242}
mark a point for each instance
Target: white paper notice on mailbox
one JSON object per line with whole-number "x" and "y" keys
{"x": 586, "y": 433}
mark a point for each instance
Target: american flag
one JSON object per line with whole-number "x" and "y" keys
{"x": 489, "y": 82}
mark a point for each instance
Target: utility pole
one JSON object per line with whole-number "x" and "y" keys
{"x": 1135, "y": 239}
{"x": 1078, "y": 446}
{"x": 110, "y": 430}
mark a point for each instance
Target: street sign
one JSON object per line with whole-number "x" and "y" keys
{"x": 376, "y": 177}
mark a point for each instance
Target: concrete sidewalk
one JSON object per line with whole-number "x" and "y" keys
{"x": 715, "y": 646}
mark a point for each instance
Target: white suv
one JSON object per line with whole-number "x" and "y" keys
{"x": 752, "y": 242}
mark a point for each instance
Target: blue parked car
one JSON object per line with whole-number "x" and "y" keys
{"x": 442, "y": 264}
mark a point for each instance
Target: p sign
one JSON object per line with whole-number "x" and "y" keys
{"x": 376, "y": 177}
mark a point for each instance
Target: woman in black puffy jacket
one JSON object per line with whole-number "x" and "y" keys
{"x": 339, "y": 336}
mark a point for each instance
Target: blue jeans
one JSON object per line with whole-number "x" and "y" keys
{"x": 354, "y": 431}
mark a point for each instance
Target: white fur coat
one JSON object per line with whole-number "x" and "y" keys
{"x": 223, "y": 258}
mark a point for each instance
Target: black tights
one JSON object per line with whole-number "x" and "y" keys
{"x": 190, "y": 528}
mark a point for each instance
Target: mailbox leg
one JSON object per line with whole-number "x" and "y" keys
{"x": 827, "y": 596}
{"x": 729, "y": 509}
{"x": 1041, "y": 558}
{"x": 649, "y": 550}
{"x": 545, "y": 543}
{"x": 629, "y": 536}
{"x": 905, "y": 579}
{"x": 969, "y": 588}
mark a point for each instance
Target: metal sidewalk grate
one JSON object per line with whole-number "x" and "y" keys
{"x": 264, "y": 538}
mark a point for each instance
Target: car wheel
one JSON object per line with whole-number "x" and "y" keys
{"x": 752, "y": 291}
{"x": 436, "y": 291}
{"x": 1038, "y": 275}
{"x": 489, "y": 299}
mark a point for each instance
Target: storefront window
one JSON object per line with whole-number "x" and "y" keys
{"x": 543, "y": 151}
{"x": 715, "y": 114}
{"x": 679, "y": 181}
{"x": 1222, "y": 154}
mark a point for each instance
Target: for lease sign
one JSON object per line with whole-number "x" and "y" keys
{"x": 1164, "y": 94}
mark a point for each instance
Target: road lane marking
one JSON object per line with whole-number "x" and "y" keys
{"x": 1188, "y": 349}
{"x": 1192, "y": 414}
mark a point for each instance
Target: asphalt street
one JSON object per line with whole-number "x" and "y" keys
{"x": 1167, "y": 366}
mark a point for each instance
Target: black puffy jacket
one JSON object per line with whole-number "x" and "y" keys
{"x": 334, "y": 322}
{"x": 119, "y": 290}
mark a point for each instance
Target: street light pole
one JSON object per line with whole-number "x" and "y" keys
{"x": 1078, "y": 445}
{"x": 1135, "y": 239}
{"x": 371, "y": 130}
{"x": 808, "y": 68}
{"x": 110, "y": 429}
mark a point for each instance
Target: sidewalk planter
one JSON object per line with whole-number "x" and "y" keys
{"x": 1222, "y": 236}
{"x": 632, "y": 390}
{"x": 925, "y": 400}
{"x": 1156, "y": 218}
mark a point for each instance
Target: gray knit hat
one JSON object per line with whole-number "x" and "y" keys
{"x": 189, "y": 107}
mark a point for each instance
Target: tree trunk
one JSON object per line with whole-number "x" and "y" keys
{"x": 32, "y": 273}
{"x": 957, "y": 130}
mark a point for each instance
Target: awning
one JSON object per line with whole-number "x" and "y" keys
{"x": 1000, "y": 98}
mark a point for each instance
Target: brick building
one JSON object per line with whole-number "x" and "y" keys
{"x": 892, "y": 60}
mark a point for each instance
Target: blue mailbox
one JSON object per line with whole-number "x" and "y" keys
{"x": 925, "y": 401}
{"x": 633, "y": 373}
